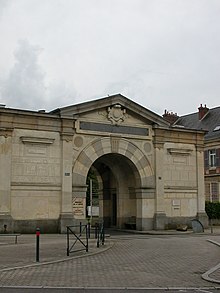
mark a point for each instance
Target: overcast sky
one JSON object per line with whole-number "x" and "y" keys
{"x": 163, "y": 54}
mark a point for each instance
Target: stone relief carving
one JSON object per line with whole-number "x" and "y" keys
{"x": 116, "y": 114}
{"x": 115, "y": 144}
{"x": 78, "y": 141}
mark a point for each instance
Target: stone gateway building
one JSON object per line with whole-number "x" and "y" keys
{"x": 146, "y": 169}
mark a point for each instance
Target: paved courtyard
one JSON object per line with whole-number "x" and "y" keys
{"x": 126, "y": 260}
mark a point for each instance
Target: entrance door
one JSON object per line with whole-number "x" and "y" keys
{"x": 114, "y": 209}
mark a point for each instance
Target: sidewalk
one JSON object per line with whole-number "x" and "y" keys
{"x": 208, "y": 231}
{"x": 52, "y": 248}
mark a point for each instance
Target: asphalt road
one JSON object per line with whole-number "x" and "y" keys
{"x": 106, "y": 290}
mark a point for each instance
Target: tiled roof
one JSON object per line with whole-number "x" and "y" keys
{"x": 209, "y": 122}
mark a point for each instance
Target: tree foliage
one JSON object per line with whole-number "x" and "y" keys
{"x": 212, "y": 209}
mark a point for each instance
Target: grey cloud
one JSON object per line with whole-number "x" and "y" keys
{"x": 161, "y": 53}
{"x": 25, "y": 86}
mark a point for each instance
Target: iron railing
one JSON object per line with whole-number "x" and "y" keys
{"x": 80, "y": 234}
{"x": 80, "y": 237}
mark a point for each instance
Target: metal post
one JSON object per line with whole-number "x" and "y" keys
{"x": 211, "y": 225}
{"x": 68, "y": 242}
{"x": 90, "y": 181}
{"x": 211, "y": 209}
{"x": 103, "y": 235}
{"x": 88, "y": 229}
{"x": 87, "y": 238}
{"x": 97, "y": 236}
{"x": 80, "y": 228}
{"x": 37, "y": 244}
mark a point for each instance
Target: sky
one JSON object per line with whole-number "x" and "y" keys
{"x": 162, "y": 54}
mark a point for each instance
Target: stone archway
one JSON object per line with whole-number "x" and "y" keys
{"x": 110, "y": 145}
{"x": 130, "y": 176}
{"x": 117, "y": 198}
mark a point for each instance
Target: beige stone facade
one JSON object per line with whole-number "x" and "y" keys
{"x": 208, "y": 120}
{"x": 145, "y": 168}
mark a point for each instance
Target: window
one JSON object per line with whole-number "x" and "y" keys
{"x": 212, "y": 191}
{"x": 212, "y": 158}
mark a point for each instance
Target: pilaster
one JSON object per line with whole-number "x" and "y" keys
{"x": 160, "y": 215}
{"x": 66, "y": 215}
{"x": 145, "y": 207}
{"x": 5, "y": 178}
{"x": 201, "y": 214}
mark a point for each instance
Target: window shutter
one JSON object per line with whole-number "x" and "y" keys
{"x": 217, "y": 157}
{"x": 206, "y": 159}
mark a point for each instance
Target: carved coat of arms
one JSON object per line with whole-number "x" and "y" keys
{"x": 116, "y": 114}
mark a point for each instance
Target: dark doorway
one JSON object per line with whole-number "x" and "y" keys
{"x": 116, "y": 176}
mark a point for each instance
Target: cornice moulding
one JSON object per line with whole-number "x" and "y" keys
{"x": 182, "y": 152}
{"x": 37, "y": 140}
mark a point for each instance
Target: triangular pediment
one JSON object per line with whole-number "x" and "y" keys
{"x": 115, "y": 109}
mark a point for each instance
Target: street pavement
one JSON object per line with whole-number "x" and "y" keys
{"x": 127, "y": 261}
{"x": 106, "y": 290}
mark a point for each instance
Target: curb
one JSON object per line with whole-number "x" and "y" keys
{"x": 205, "y": 276}
{"x": 57, "y": 261}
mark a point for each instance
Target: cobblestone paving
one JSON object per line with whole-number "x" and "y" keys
{"x": 52, "y": 248}
{"x": 131, "y": 262}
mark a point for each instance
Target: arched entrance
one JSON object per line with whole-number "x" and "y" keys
{"x": 117, "y": 187}
{"x": 124, "y": 173}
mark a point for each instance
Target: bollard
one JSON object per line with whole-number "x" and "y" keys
{"x": 37, "y": 244}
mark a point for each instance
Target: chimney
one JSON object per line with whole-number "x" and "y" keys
{"x": 202, "y": 111}
{"x": 170, "y": 117}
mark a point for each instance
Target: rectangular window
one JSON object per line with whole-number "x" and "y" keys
{"x": 212, "y": 158}
{"x": 212, "y": 191}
